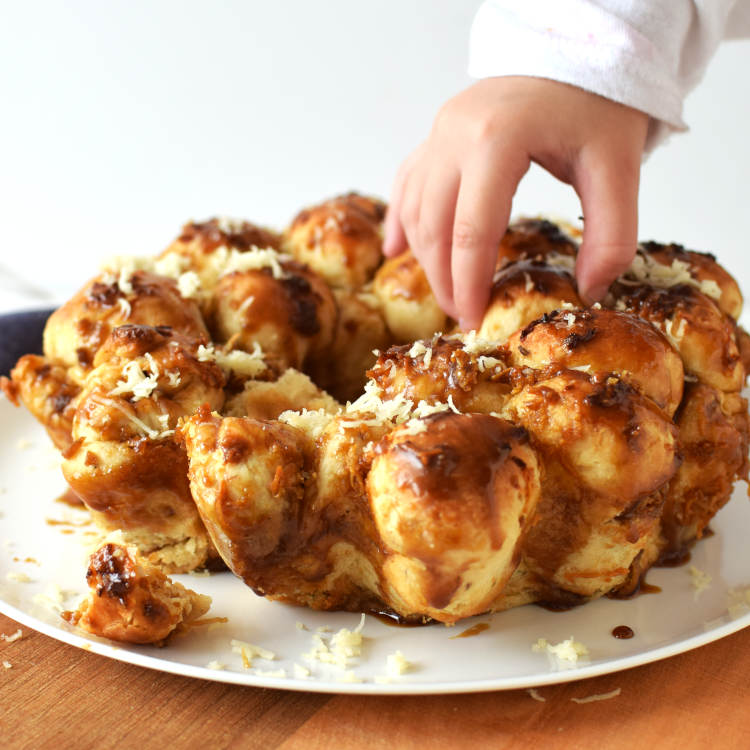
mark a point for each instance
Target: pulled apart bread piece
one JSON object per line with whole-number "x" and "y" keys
{"x": 133, "y": 601}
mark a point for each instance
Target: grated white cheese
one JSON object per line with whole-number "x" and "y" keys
{"x": 13, "y": 637}
{"x": 249, "y": 651}
{"x": 7, "y": 665}
{"x": 738, "y": 601}
{"x": 473, "y": 343}
{"x": 270, "y": 672}
{"x": 529, "y": 283}
{"x": 189, "y": 284}
{"x": 18, "y": 577}
{"x": 558, "y": 260}
{"x": 227, "y": 225}
{"x": 216, "y": 665}
{"x": 348, "y": 676}
{"x": 124, "y": 281}
{"x": 418, "y": 349}
{"x": 301, "y": 672}
{"x": 344, "y": 646}
{"x": 52, "y": 599}
{"x": 414, "y": 427}
{"x": 254, "y": 259}
{"x": 313, "y": 422}
{"x": 569, "y": 650}
{"x": 172, "y": 265}
{"x": 300, "y": 626}
{"x": 484, "y": 362}
{"x": 396, "y": 664}
{"x": 242, "y": 363}
{"x": 534, "y": 693}
{"x": 246, "y": 303}
{"x": 136, "y": 382}
{"x": 173, "y": 378}
{"x": 646, "y": 270}
{"x": 139, "y": 424}
{"x": 125, "y": 307}
{"x": 397, "y": 409}
{"x": 598, "y": 696}
{"x": 699, "y": 579}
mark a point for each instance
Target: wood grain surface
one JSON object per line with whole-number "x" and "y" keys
{"x": 58, "y": 696}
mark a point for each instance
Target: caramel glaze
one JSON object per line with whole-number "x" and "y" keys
{"x": 127, "y": 493}
{"x": 568, "y": 510}
{"x": 358, "y": 213}
{"x": 456, "y": 469}
{"x": 480, "y": 627}
{"x": 70, "y": 498}
{"x": 703, "y": 267}
{"x": 110, "y": 574}
{"x": 714, "y": 433}
{"x": 209, "y": 236}
{"x": 712, "y": 332}
{"x": 48, "y": 394}
{"x": 511, "y": 282}
{"x": 349, "y": 224}
{"x": 77, "y": 330}
{"x": 529, "y": 238}
{"x": 292, "y": 318}
{"x": 265, "y": 551}
{"x": 623, "y": 632}
{"x": 452, "y": 371}
{"x": 403, "y": 277}
{"x": 389, "y": 617}
{"x": 605, "y": 340}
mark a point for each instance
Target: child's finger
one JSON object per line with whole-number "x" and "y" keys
{"x": 482, "y": 213}
{"x": 609, "y": 197}
{"x": 434, "y": 236}
{"x": 394, "y": 240}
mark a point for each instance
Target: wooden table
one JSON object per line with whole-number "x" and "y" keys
{"x": 58, "y": 696}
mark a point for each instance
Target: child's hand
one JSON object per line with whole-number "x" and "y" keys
{"x": 452, "y": 197}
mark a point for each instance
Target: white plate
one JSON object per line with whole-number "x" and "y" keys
{"x": 500, "y": 657}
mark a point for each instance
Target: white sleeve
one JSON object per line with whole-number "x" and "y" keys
{"x": 647, "y": 55}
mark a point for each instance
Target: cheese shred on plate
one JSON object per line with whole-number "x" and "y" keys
{"x": 569, "y": 650}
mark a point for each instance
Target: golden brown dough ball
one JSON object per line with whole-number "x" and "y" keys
{"x": 527, "y": 239}
{"x": 617, "y": 442}
{"x": 524, "y": 291}
{"x": 247, "y": 478}
{"x": 290, "y": 313}
{"x": 409, "y": 306}
{"x": 124, "y": 463}
{"x": 360, "y": 330}
{"x": 452, "y": 504}
{"x": 201, "y": 245}
{"x": 47, "y": 393}
{"x": 460, "y": 369}
{"x": 706, "y": 273}
{"x": 293, "y": 391}
{"x": 713, "y": 442}
{"x": 603, "y": 341}
{"x": 703, "y": 335}
{"x": 75, "y": 331}
{"x": 341, "y": 239}
{"x": 132, "y": 601}
{"x": 606, "y": 450}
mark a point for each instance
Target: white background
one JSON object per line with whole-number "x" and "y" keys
{"x": 119, "y": 121}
